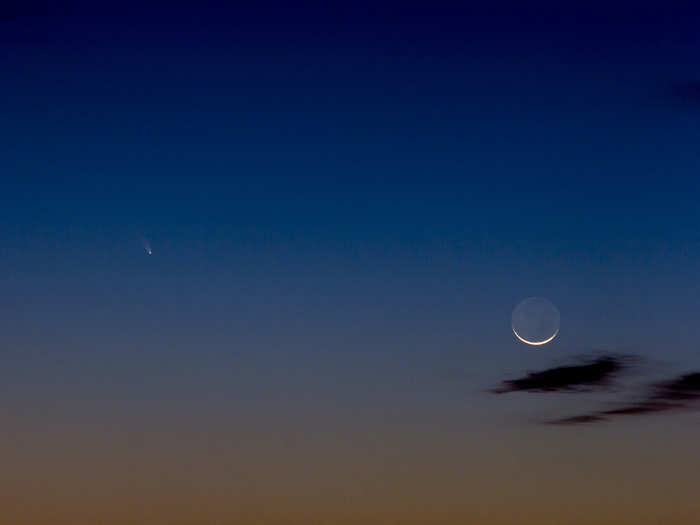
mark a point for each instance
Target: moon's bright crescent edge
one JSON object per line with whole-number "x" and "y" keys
{"x": 538, "y": 343}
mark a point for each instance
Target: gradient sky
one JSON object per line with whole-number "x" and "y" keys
{"x": 344, "y": 206}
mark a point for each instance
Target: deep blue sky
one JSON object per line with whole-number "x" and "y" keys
{"x": 344, "y": 206}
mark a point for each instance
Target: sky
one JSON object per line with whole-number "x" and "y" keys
{"x": 344, "y": 206}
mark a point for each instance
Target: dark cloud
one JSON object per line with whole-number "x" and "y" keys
{"x": 575, "y": 378}
{"x": 685, "y": 388}
{"x": 636, "y": 409}
{"x": 676, "y": 394}
{"x": 665, "y": 396}
{"x": 576, "y": 420}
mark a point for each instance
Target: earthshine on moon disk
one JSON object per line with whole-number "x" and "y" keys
{"x": 535, "y": 321}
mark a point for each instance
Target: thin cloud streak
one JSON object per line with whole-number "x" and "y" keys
{"x": 666, "y": 396}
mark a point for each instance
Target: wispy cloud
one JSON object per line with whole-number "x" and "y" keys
{"x": 584, "y": 377}
{"x": 666, "y": 396}
{"x": 577, "y": 420}
{"x": 677, "y": 394}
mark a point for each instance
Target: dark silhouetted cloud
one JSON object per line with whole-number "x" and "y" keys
{"x": 666, "y": 396}
{"x": 635, "y": 409}
{"x": 589, "y": 418}
{"x": 685, "y": 388}
{"x": 574, "y": 378}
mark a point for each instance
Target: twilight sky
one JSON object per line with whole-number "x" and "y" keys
{"x": 344, "y": 207}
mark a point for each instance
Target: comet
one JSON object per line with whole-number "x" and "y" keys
{"x": 147, "y": 246}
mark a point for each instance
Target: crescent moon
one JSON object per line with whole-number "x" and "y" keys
{"x": 535, "y": 343}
